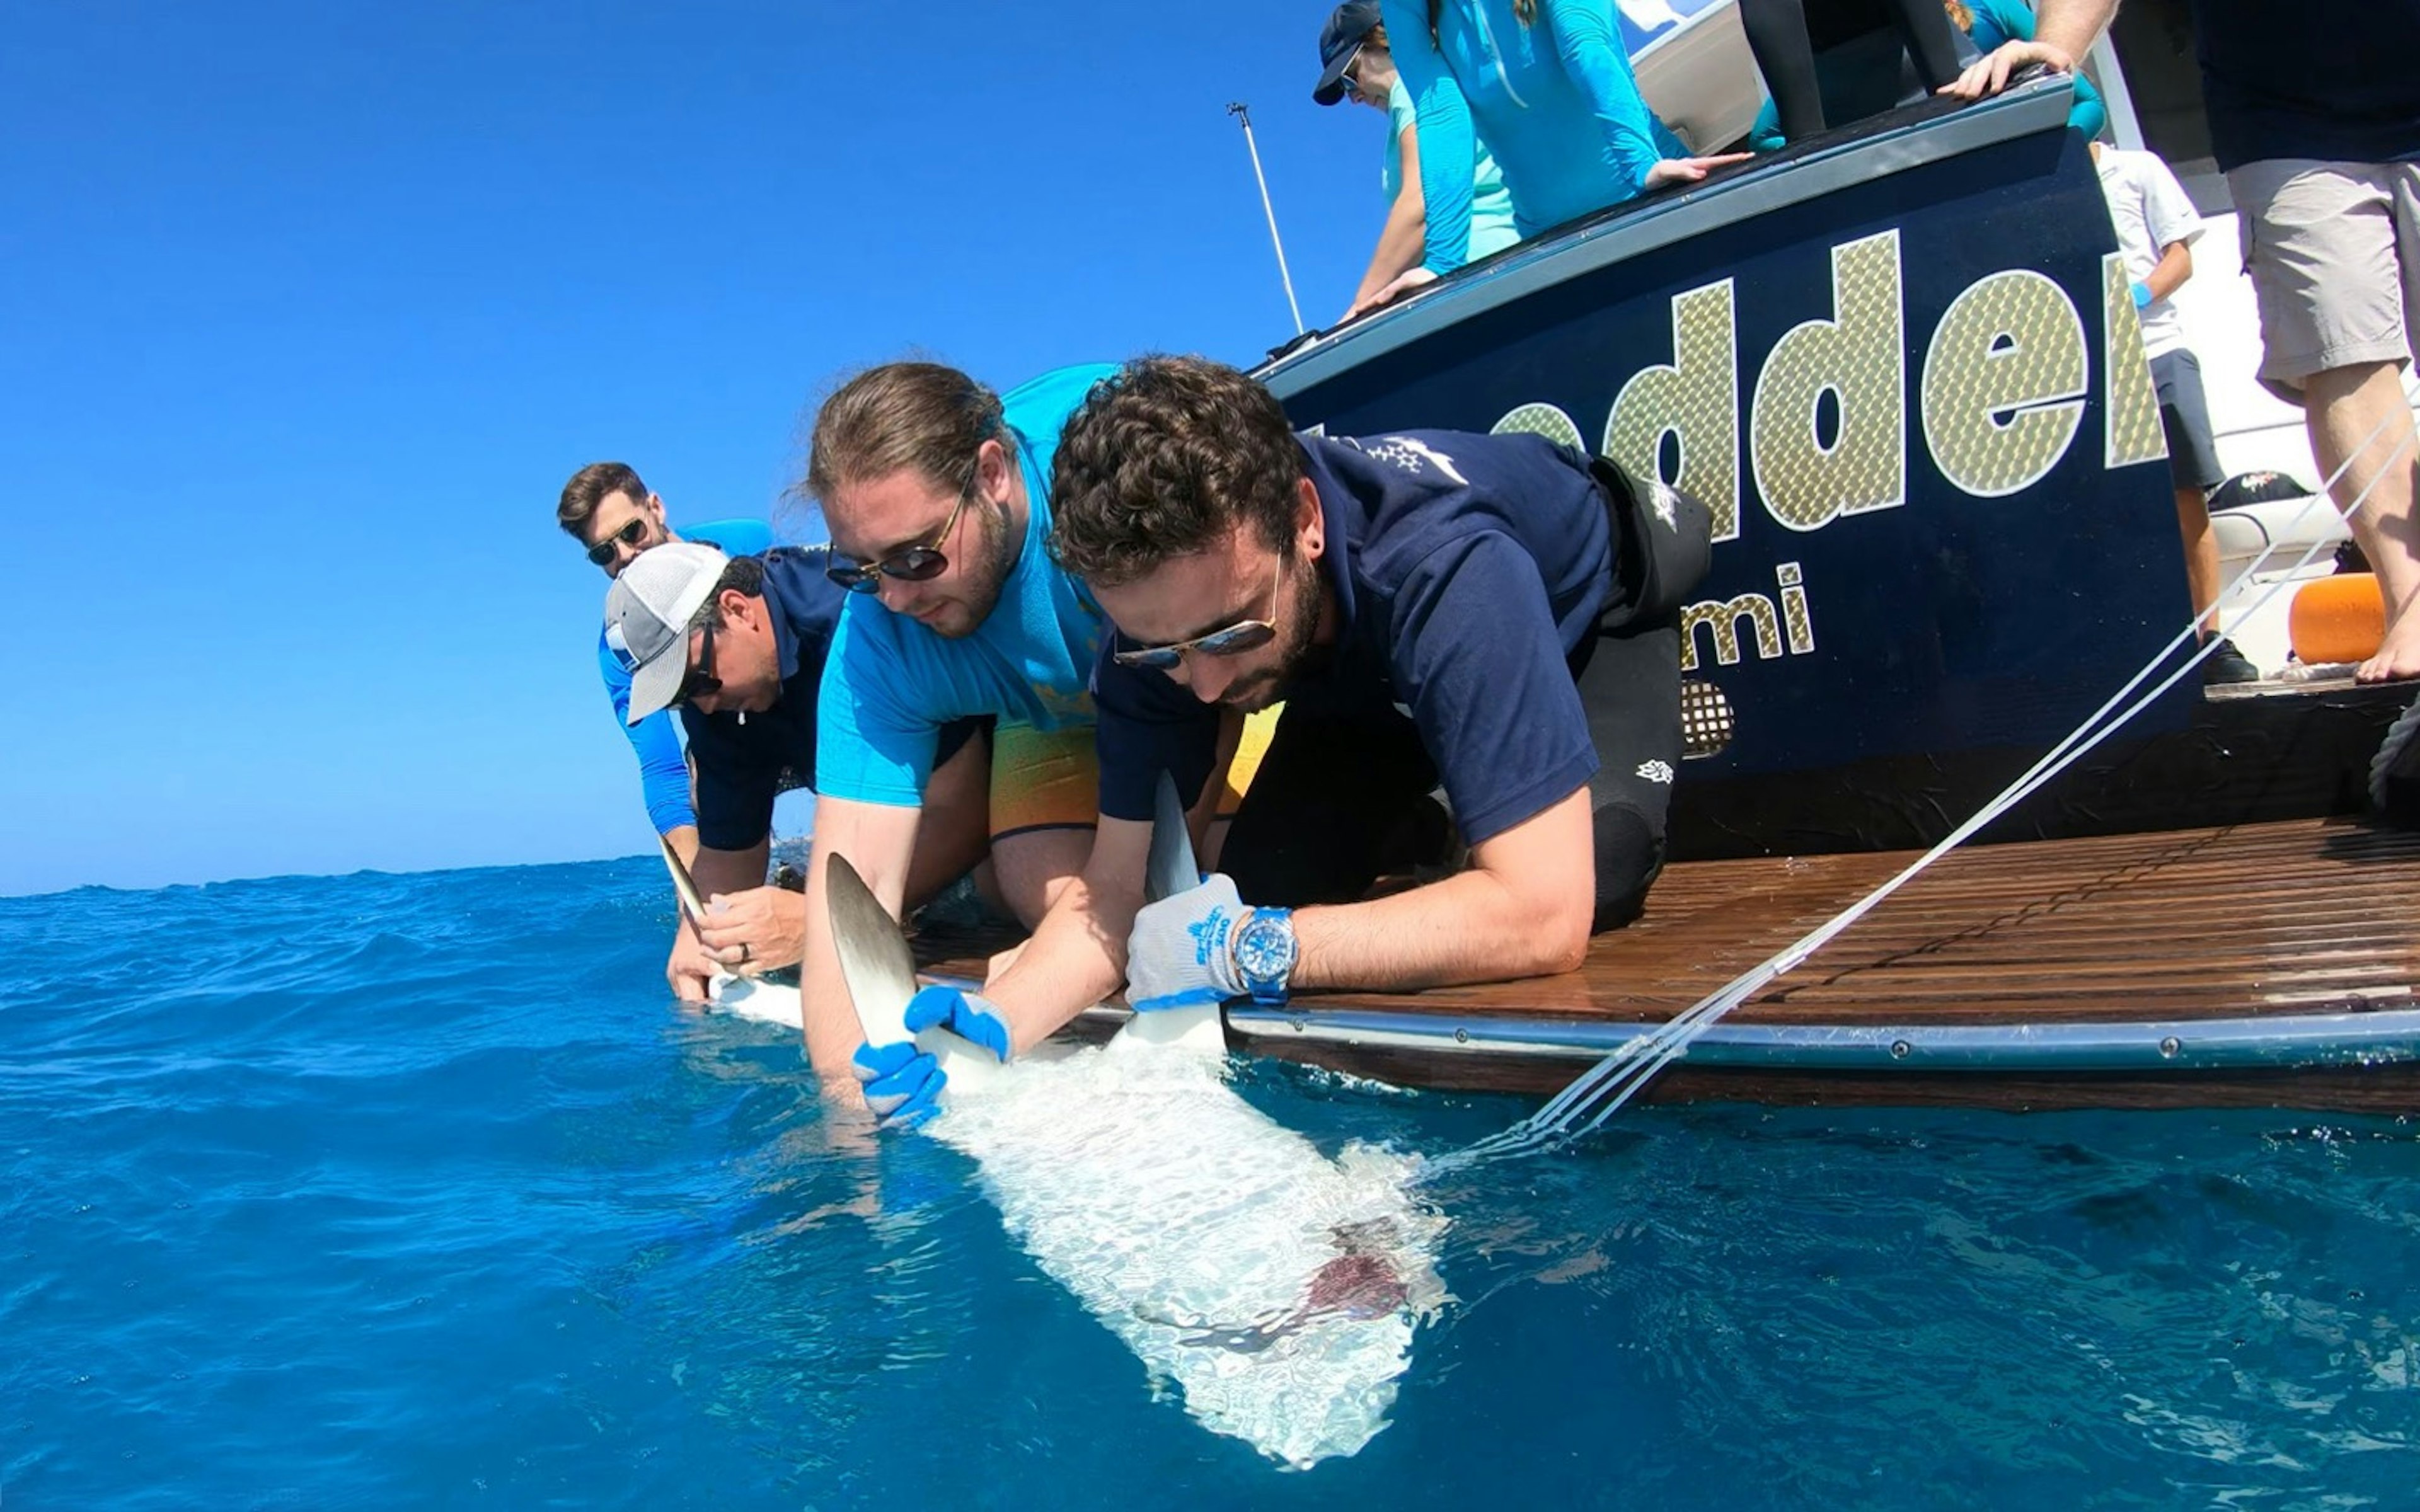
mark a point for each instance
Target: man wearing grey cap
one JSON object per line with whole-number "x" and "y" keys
{"x": 737, "y": 644}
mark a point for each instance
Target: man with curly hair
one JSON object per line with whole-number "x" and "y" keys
{"x": 1493, "y": 617}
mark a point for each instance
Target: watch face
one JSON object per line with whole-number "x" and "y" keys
{"x": 1264, "y": 950}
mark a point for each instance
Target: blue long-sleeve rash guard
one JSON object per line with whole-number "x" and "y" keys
{"x": 1540, "y": 94}
{"x": 663, "y": 769}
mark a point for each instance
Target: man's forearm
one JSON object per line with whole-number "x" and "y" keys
{"x": 827, "y": 1014}
{"x": 1400, "y": 245}
{"x": 880, "y": 839}
{"x": 1076, "y": 958}
{"x": 2073, "y": 26}
{"x": 1468, "y": 927}
{"x": 2169, "y": 274}
{"x": 683, "y": 840}
{"x": 716, "y": 870}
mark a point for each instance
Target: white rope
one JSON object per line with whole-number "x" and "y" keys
{"x": 1604, "y": 1088}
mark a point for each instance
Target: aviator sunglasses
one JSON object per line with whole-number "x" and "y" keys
{"x": 1227, "y": 641}
{"x": 633, "y": 535}
{"x": 916, "y": 563}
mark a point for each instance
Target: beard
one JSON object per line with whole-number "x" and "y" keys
{"x": 1299, "y": 618}
{"x": 983, "y": 575}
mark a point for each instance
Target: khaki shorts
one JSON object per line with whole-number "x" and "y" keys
{"x": 2334, "y": 250}
{"x": 1051, "y": 778}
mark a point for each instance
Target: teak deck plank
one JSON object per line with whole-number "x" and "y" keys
{"x": 2190, "y": 923}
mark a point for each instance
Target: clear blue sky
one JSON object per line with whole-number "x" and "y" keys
{"x": 309, "y": 309}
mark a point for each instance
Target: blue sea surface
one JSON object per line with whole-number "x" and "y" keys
{"x": 404, "y": 1191}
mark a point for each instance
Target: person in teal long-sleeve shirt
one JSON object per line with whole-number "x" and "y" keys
{"x": 1548, "y": 85}
{"x": 1356, "y": 63}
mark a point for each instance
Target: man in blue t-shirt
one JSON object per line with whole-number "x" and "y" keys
{"x": 1495, "y": 615}
{"x": 2315, "y": 119}
{"x": 937, "y": 494}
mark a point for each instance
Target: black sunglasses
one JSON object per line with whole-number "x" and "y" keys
{"x": 700, "y": 681}
{"x": 602, "y": 553}
{"x": 916, "y": 564}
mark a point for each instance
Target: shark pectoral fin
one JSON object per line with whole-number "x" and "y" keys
{"x": 1198, "y": 1030}
{"x": 874, "y": 962}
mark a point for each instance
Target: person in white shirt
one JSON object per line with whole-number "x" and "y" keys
{"x": 2157, "y": 226}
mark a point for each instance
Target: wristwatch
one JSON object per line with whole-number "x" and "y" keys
{"x": 1264, "y": 953}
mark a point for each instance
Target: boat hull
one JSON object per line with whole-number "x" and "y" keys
{"x": 1902, "y": 368}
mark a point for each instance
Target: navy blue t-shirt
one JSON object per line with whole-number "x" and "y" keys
{"x": 2338, "y": 79}
{"x": 742, "y": 767}
{"x": 1465, "y": 570}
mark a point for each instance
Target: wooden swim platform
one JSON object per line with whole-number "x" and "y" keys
{"x": 2269, "y": 964}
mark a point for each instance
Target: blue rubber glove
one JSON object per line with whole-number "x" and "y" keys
{"x": 2142, "y": 296}
{"x": 902, "y": 1084}
{"x": 1178, "y": 955}
{"x": 970, "y": 1016}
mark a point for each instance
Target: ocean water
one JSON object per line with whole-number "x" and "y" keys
{"x": 418, "y": 1190}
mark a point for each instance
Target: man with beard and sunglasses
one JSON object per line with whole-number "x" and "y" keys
{"x": 1495, "y": 615}
{"x": 614, "y": 518}
{"x": 936, "y": 493}
{"x": 739, "y": 646}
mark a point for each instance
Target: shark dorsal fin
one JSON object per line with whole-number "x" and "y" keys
{"x": 1172, "y": 867}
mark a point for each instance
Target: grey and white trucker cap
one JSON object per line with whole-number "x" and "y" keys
{"x": 646, "y": 618}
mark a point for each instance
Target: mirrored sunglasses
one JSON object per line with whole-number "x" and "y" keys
{"x": 1229, "y": 640}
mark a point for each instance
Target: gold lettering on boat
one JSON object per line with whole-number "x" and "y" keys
{"x": 1861, "y": 360}
{"x": 1694, "y": 398}
{"x": 1722, "y": 618}
{"x": 2131, "y": 425}
{"x": 1540, "y": 419}
{"x": 1794, "y": 608}
{"x": 2004, "y": 382}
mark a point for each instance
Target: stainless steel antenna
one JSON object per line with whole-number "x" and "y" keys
{"x": 1243, "y": 113}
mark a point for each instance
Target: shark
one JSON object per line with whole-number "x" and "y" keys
{"x": 1274, "y": 1290}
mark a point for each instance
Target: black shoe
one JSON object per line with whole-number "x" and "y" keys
{"x": 2225, "y": 664}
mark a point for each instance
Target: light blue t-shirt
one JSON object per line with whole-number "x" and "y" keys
{"x": 891, "y": 682}
{"x": 1556, "y": 101}
{"x": 1491, "y": 209}
{"x": 663, "y": 770}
